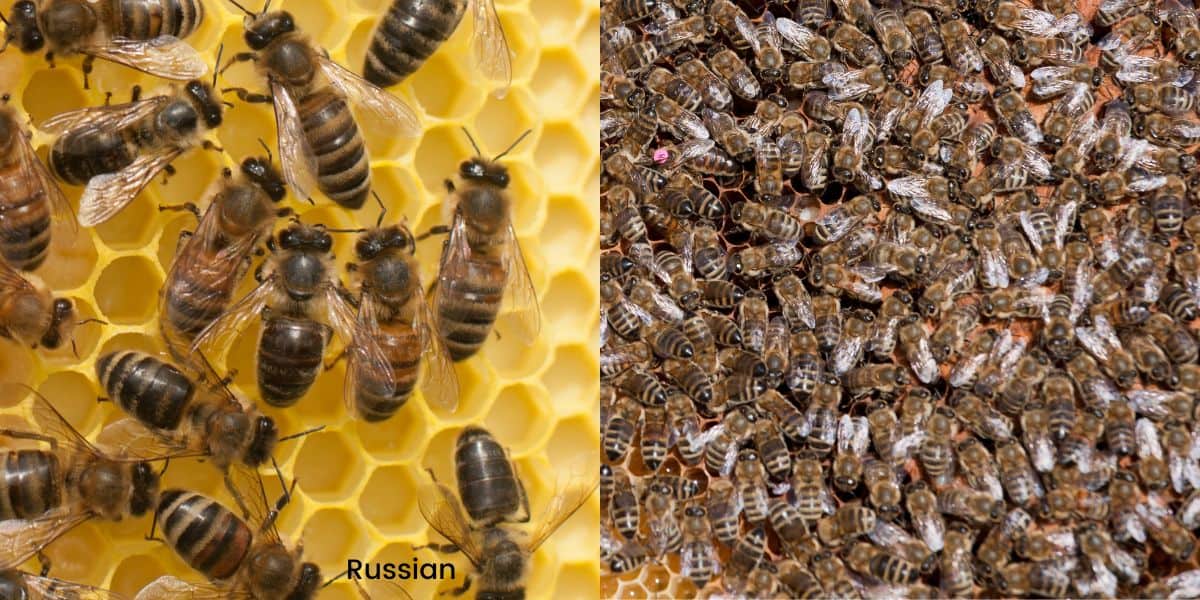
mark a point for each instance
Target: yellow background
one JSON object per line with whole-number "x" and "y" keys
{"x": 357, "y": 482}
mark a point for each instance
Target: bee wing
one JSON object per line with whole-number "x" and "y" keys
{"x": 130, "y": 438}
{"x": 219, "y": 333}
{"x": 1051, "y": 81}
{"x": 440, "y": 382}
{"x": 442, "y": 510}
{"x": 20, "y": 539}
{"x": 856, "y": 131}
{"x": 846, "y": 84}
{"x": 490, "y": 46}
{"x": 30, "y": 163}
{"x": 169, "y": 587}
{"x": 387, "y": 107}
{"x": 107, "y": 194}
{"x": 908, "y": 187}
{"x": 1146, "y": 435}
{"x": 519, "y": 293}
{"x": 565, "y": 504}
{"x": 1037, "y": 22}
{"x": 103, "y": 117}
{"x": 795, "y": 33}
{"x": 11, "y": 280}
{"x": 52, "y": 424}
{"x": 298, "y": 161}
{"x": 164, "y": 56}
{"x": 57, "y": 589}
{"x": 365, "y": 358}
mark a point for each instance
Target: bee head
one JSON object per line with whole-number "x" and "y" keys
{"x": 308, "y": 583}
{"x": 145, "y": 489}
{"x": 263, "y": 174}
{"x": 266, "y": 434}
{"x": 302, "y": 237}
{"x": 206, "y": 101}
{"x": 61, "y": 322}
{"x": 374, "y": 242}
{"x": 262, "y": 29}
{"x": 23, "y": 27}
{"x": 480, "y": 170}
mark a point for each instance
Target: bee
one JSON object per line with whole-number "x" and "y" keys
{"x": 1015, "y": 115}
{"x": 997, "y": 57}
{"x": 1035, "y": 579}
{"x": 622, "y": 91}
{"x": 768, "y": 57}
{"x": 852, "y": 520}
{"x": 883, "y": 491}
{"x": 757, "y": 261}
{"x": 1165, "y": 529}
{"x": 771, "y": 223}
{"x": 979, "y": 467}
{"x": 914, "y": 344}
{"x": 116, "y": 150}
{"x": 698, "y": 556}
{"x": 236, "y": 556}
{"x": 722, "y": 450}
{"x": 923, "y": 512}
{"x": 957, "y": 566}
{"x": 734, "y": 72}
{"x": 960, "y": 47}
{"x": 21, "y": 585}
{"x": 410, "y": 31}
{"x": 747, "y": 553}
{"x": 1164, "y": 129}
{"x": 1112, "y": 12}
{"x": 1182, "y": 31}
{"x": 732, "y": 138}
{"x": 723, "y": 507}
{"x": 630, "y": 556}
{"x": 768, "y": 172}
{"x": 494, "y": 498}
{"x": 801, "y": 39}
{"x": 31, "y": 199}
{"x": 928, "y": 197}
{"x": 856, "y": 45}
{"x": 751, "y": 483}
{"x": 975, "y": 506}
{"x": 852, "y": 439}
{"x": 715, "y": 93}
{"x": 1179, "y": 346}
{"x": 897, "y": 42}
{"x": 30, "y": 315}
{"x": 655, "y": 440}
{"x": 811, "y": 75}
{"x": 830, "y": 570}
{"x": 55, "y": 490}
{"x": 870, "y": 560}
{"x": 672, "y": 86}
{"x": 666, "y": 536}
{"x": 885, "y": 378}
{"x": 619, "y": 429}
{"x": 1101, "y": 341}
{"x": 820, "y": 417}
{"x": 893, "y": 310}
{"x": 1165, "y": 98}
{"x": 144, "y": 35}
{"x": 319, "y": 141}
{"x": 848, "y": 158}
{"x": 851, "y": 343}
{"x": 936, "y": 453}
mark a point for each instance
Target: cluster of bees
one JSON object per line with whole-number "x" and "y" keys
{"x": 900, "y": 298}
{"x": 181, "y": 407}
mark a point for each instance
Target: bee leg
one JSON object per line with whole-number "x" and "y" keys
{"x": 436, "y": 230}
{"x": 449, "y": 185}
{"x": 29, "y": 435}
{"x": 86, "y": 67}
{"x": 135, "y": 93}
{"x": 247, "y": 96}
{"x": 442, "y": 548}
{"x": 331, "y": 364}
{"x": 239, "y": 57}
{"x": 208, "y": 145}
{"x": 458, "y": 591}
{"x": 50, "y": 58}
{"x": 45, "y": 562}
{"x": 168, "y": 172}
{"x": 188, "y": 206}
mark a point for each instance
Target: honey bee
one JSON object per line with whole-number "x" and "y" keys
{"x": 19, "y": 584}
{"x": 1101, "y": 341}
{"x": 237, "y": 557}
{"x": 116, "y": 150}
{"x": 712, "y": 89}
{"x": 494, "y": 498}
{"x": 1174, "y": 339}
{"x": 734, "y": 72}
{"x": 751, "y": 483}
{"x": 856, "y": 45}
{"x": 666, "y": 536}
{"x": 883, "y": 491}
{"x": 856, "y": 140}
{"x": 997, "y": 56}
{"x": 926, "y": 38}
{"x": 409, "y": 32}
{"x": 768, "y": 173}
{"x": 820, "y": 417}
{"x": 852, "y": 439}
{"x": 698, "y": 556}
{"x": 851, "y": 520}
{"x": 868, "y": 559}
{"x": 312, "y": 109}
{"x": 721, "y": 451}
{"x": 923, "y": 512}
{"x": 1035, "y": 578}
{"x": 31, "y": 200}
{"x": 814, "y": 170}
{"x": 723, "y": 508}
{"x": 973, "y": 505}
{"x": 73, "y": 481}
{"x": 885, "y": 378}
{"x": 830, "y": 570}
{"x": 625, "y": 509}
{"x": 1166, "y": 530}
{"x": 1182, "y": 31}
{"x": 146, "y": 36}
{"x": 1015, "y": 115}
{"x": 802, "y": 40}
{"x": 960, "y": 47}
{"x": 31, "y": 316}
{"x": 671, "y": 85}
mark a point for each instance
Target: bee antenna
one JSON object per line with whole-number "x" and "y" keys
{"x": 335, "y": 578}
{"x": 301, "y": 433}
{"x": 241, "y": 8}
{"x": 472, "y": 140}
{"x": 267, "y": 148}
{"x": 266, "y": 5}
{"x": 382, "y": 209}
{"x": 3, "y": 18}
{"x": 216, "y": 69}
{"x": 513, "y": 145}
{"x": 92, "y": 320}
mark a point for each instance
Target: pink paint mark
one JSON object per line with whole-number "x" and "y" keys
{"x": 661, "y": 155}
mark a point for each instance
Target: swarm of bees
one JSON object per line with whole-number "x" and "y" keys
{"x": 395, "y": 332}
{"x": 899, "y": 299}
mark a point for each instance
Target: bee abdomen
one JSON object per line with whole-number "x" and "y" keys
{"x": 76, "y": 158}
{"x": 468, "y": 306}
{"x": 374, "y": 401}
{"x": 343, "y": 172}
{"x": 25, "y": 231}
{"x": 148, "y": 19}
{"x": 210, "y": 538}
{"x": 29, "y": 484}
{"x": 154, "y": 392}
{"x": 486, "y": 481}
{"x": 191, "y": 305}
{"x": 289, "y": 358}
{"x": 408, "y": 34}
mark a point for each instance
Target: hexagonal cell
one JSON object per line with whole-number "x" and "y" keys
{"x": 135, "y": 572}
{"x": 568, "y": 295}
{"x": 323, "y": 402}
{"x": 195, "y": 475}
{"x": 437, "y": 158}
{"x": 73, "y": 556}
{"x": 124, "y": 290}
{"x": 322, "y": 21}
{"x": 401, "y": 193}
{"x": 72, "y": 257}
{"x": 134, "y": 225}
{"x": 245, "y": 124}
{"x": 561, "y": 151}
{"x": 132, "y": 341}
{"x": 477, "y": 384}
{"x": 53, "y": 91}
{"x": 519, "y": 416}
{"x": 557, "y": 19}
{"x": 570, "y": 376}
{"x": 326, "y": 467}
{"x": 389, "y": 501}
{"x": 332, "y": 535}
{"x": 589, "y": 122}
{"x": 510, "y": 353}
{"x": 440, "y": 89}
{"x": 578, "y": 579}
{"x": 587, "y": 46}
{"x": 527, "y": 191}
{"x": 74, "y": 396}
{"x": 400, "y": 438}
{"x": 542, "y": 571}
{"x": 195, "y": 172}
{"x": 501, "y": 121}
{"x": 402, "y": 553}
{"x": 16, "y": 367}
{"x": 522, "y": 32}
{"x": 568, "y": 231}
{"x": 439, "y": 455}
{"x": 559, "y": 75}
{"x": 169, "y": 241}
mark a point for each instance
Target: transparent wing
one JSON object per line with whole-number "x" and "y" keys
{"x": 249, "y": 490}
{"x": 366, "y": 359}
{"x": 21, "y": 539}
{"x": 298, "y": 161}
{"x": 490, "y": 46}
{"x": 561, "y": 508}
{"x": 11, "y": 281}
{"x": 164, "y": 56}
{"x": 219, "y": 333}
{"x": 107, "y": 194}
{"x": 57, "y": 589}
{"x": 519, "y": 294}
{"x": 130, "y": 438}
{"x": 440, "y": 382}
{"x": 387, "y": 107}
{"x": 59, "y": 206}
{"x": 52, "y": 424}
{"x": 846, "y": 85}
{"x": 444, "y": 513}
{"x": 103, "y": 117}
{"x": 169, "y": 587}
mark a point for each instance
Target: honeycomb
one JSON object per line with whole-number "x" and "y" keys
{"x": 356, "y": 496}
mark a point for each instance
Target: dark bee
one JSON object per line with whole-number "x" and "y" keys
{"x": 29, "y": 200}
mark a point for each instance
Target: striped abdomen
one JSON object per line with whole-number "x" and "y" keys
{"x": 206, "y": 535}
{"x": 146, "y": 388}
{"x": 343, "y": 172}
{"x": 290, "y": 352}
{"x": 30, "y": 484}
{"x": 402, "y": 346}
{"x": 486, "y": 481}
{"x": 25, "y": 228}
{"x": 468, "y": 300}
{"x": 83, "y": 154}
{"x": 199, "y": 289}
{"x": 148, "y": 19}
{"x": 407, "y": 35}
